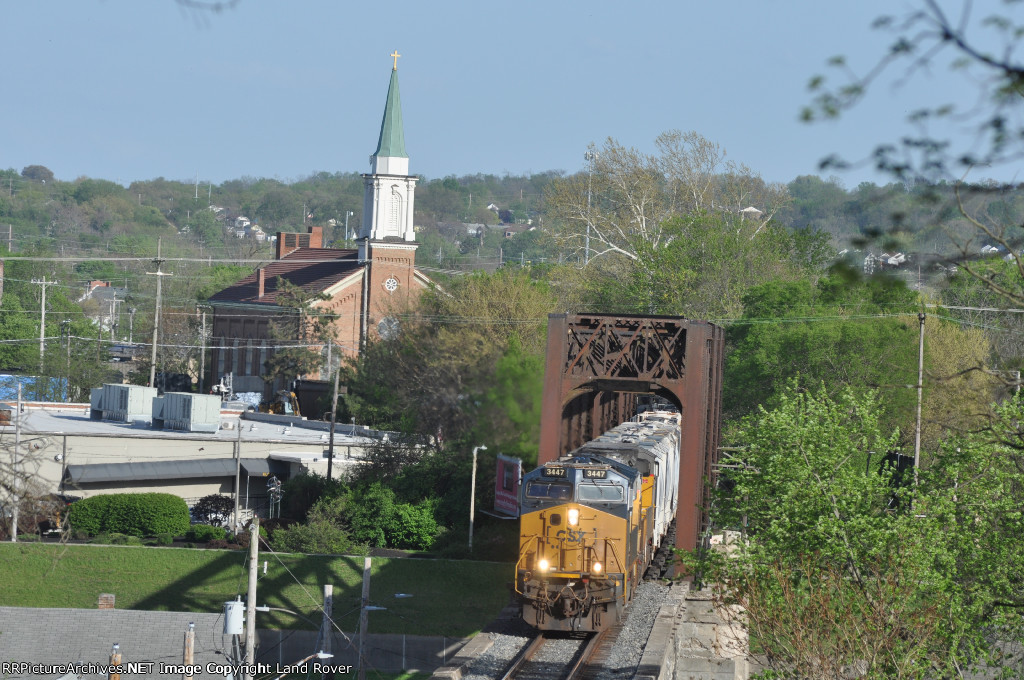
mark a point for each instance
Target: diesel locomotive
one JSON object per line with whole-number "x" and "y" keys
{"x": 593, "y": 521}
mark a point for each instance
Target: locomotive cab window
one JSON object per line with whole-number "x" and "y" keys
{"x": 552, "y": 491}
{"x": 601, "y": 493}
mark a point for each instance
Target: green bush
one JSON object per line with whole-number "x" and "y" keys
{"x": 321, "y": 534}
{"x": 303, "y": 491}
{"x": 88, "y": 515}
{"x": 214, "y": 509}
{"x": 165, "y": 538}
{"x": 206, "y": 532}
{"x": 415, "y": 527}
{"x": 123, "y": 539}
{"x": 136, "y": 514}
{"x": 377, "y": 520}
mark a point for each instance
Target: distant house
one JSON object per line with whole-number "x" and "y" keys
{"x": 513, "y": 229}
{"x": 106, "y": 298}
{"x": 241, "y": 222}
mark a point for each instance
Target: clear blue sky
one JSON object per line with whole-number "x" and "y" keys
{"x": 132, "y": 90}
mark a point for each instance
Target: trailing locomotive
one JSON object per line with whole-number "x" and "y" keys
{"x": 592, "y": 522}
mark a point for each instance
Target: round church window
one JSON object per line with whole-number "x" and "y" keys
{"x": 391, "y": 284}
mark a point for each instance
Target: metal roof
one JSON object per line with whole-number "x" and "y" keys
{"x": 392, "y": 135}
{"x": 167, "y": 469}
{"x": 312, "y": 269}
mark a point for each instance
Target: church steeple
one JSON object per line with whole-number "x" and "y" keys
{"x": 390, "y": 157}
{"x": 389, "y": 189}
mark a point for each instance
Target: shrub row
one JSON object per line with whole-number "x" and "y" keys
{"x": 134, "y": 514}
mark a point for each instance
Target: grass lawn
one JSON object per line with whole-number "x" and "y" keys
{"x": 449, "y": 597}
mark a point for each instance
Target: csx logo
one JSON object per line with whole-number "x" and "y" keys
{"x": 571, "y": 535}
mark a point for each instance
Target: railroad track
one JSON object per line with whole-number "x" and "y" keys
{"x": 553, "y": 657}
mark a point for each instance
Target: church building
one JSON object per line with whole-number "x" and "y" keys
{"x": 365, "y": 286}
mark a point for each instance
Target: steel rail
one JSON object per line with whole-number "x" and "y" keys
{"x": 589, "y": 648}
{"x": 524, "y": 655}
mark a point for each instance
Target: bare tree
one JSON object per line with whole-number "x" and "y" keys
{"x": 25, "y": 500}
{"x": 621, "y": 203}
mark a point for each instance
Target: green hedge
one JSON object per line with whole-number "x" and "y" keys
{"x": 135, "y": 514}
{"x": 206, "y": 532}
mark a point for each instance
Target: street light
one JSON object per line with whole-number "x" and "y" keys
{"x": 472, "y": 494}
{"x": 348, "y": 213}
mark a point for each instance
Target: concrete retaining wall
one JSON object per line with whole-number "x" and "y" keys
{"x": 695, "y": 639}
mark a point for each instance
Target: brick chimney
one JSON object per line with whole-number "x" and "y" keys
{"x": 288, "y": 242}
{"x": 316, "y": 237}
{"x": 261, "y": 281}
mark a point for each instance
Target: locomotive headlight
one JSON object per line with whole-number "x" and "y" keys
{"x": 542, "y": 565}
{"x": 596, "y": 567}
{"x": 574, "y": 516}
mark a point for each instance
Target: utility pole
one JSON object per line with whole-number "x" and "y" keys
{"x": 920, "y": 386}
{"x": 325, "y": 627}
{"x": 250, "y": 604}
{"x": 238, "y": 470}
{"x": 114, "y": 302}
{"x": 42, "y": 319}
{"x": 188, "y": 653}
{"x": 65, "y": 335}
{"x": 334, "y": 416}
{"x": 14, "y": 465}
{"x": 363, "y": 604}
{"x": 131, "y": 325}
{"x": 202, "y": 356}
{"x": 589, "y": 157}
{"x": 472, "y": 494}
{"x": 330, "y": 348}
{"x": 159, "y": 274}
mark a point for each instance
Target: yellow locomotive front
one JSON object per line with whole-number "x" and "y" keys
{"x": 580, "y": 532}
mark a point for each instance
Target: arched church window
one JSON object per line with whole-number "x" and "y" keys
{"x": 395, "y": 218}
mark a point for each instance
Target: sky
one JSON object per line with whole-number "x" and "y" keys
{"x": 130, "y": 90}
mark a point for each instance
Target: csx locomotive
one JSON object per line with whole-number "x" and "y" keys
{"x": 593, "y": 521}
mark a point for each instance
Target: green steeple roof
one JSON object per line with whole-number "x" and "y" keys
{"x": 392, "y": 137}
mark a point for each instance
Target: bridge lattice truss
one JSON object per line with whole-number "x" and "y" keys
{"x": 633, "y": 349}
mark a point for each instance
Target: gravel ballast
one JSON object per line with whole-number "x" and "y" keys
{"x": 511, "y": 636}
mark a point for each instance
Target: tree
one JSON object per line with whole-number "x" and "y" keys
{"x": 712, "y": 260}
{"x": 39, "y": 173}
{"x": 960, "y": 388}
{"x": 843, "y": 570}
{"x": 300, "y": 329}
{"x": 621, "y": 204}
{"x": 22, "y": 491}
{"x": 433, "y": 377}
{"x": 845, "y": 332}
{"x": 979, "y": 48}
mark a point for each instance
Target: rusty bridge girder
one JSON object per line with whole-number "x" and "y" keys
{"x": 598, "y": 364}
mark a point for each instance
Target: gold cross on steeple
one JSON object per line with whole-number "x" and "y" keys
{"x": 396, "y": 55}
